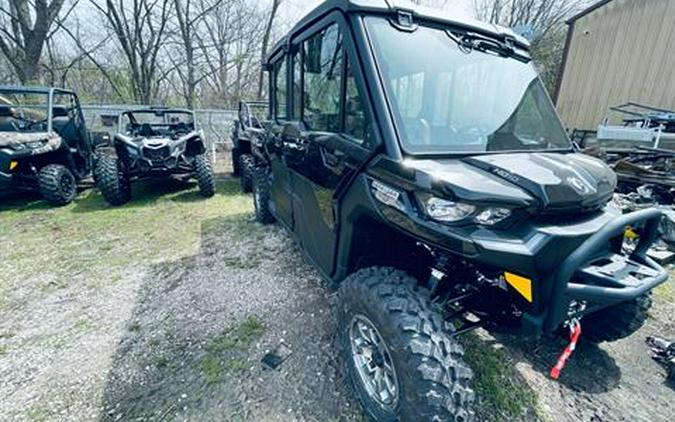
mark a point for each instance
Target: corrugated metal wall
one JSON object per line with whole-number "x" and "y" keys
{"x": 623, "y": 51}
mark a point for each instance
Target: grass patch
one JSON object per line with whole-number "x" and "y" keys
{"x": 88, "y": 241}
{"x": 666, "y": 291}
{"x": 503, "y": 393}
{"x": 222, "y": 352}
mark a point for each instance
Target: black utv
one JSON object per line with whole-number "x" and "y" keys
{"x": 44, "y": 143}
{"x": 420, "y": 164}
{"x": 245, "y": 129}
{"x": 154, "y": 143}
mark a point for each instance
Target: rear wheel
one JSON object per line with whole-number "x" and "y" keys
{"x": 616, "y": 322}
{"x": 236, "y": 171}
{"x": 246, "y": 167}
{"x": 204, "y": 175}
{"x": 57, "y": 184}
{"x": 401, "y": 362}
{"x": 261, "y": 196}
{"x": 112, "y": 181}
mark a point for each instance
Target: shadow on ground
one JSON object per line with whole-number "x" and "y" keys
{"x": 89, "y": 199}
{"x": 590, "y": 369}
{"x": 201, "y": 324}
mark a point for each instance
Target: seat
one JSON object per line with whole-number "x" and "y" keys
{"x": 145, "y": 130}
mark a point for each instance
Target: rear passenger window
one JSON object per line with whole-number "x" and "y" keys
{"x": 357, "y": 124}
{"x": 323, "y": 68}
{"x": 280, "y": 90}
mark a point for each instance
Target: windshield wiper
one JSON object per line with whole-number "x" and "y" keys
{"x": 469, "y": 42}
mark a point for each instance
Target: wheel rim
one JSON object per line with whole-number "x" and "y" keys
{"x": 373, "y": 362}
{"x": 66, "y": 184}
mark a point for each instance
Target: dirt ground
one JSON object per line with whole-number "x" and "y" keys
{"x": 163, "y": 309}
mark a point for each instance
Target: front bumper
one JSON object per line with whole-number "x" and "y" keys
{"x": 580, "y": 261}
{"x": 602, "y": 277}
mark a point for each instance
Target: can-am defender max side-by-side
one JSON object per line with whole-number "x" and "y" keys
{"x": 154, "y": 143}
{"x": 44, "y": 143}
{"x": 245, "y": 129}
{"x": 420, "y": 164}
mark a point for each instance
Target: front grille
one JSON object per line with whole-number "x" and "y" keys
{"x": 158, "y": 154}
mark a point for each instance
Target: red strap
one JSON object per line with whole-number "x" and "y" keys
{"x": 575, "y": 333}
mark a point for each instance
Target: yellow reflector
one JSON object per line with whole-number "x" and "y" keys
{"x": 630, "y": 234}
{"x": 13, "y": 165}
{"x": 521, "y": 284}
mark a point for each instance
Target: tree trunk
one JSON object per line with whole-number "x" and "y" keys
{"x": 265, "y": 44}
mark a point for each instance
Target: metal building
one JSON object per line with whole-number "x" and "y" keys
{"x": 617, "y": 51}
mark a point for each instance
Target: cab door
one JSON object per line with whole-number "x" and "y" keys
{"x": 334, "y": 135}
{"x": 280, "y": 177}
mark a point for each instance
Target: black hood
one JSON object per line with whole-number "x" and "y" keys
{"x": 550, "y": 183}
{"x": 559, "y": 182}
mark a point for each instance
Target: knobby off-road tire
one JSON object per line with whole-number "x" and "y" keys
{"x": 204, "y": 174}
{"x": 616, "y": 322}
{"x": 57, "y": 184}
{"x": 236, "y": 171}
{"x": 246, "y": 167}
{"x": 112, "y": 181}
{"x": 433, "y": 380}
{"x": 261, "y": 196}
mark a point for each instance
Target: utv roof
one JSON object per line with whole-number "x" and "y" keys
{"x": 157, "y": 109}
{"x": 34, "y": 89}
{"x": 455, "y": 17}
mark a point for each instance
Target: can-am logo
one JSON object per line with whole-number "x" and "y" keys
{"x": 579, "y": 185}
{"x": 506, "y": 175}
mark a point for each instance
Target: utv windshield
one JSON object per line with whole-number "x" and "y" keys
{"x": 156, "y": 122}
{"x": 23, "y": 112}
{"x": 447, "y": 98}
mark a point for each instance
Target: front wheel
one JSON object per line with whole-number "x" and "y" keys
{"x": 261, "y": 196}
{"x": 400, "y": 360}
{"x": 112, "y": 181}
{"x": 57, "y": 184}
{"x": 204, "y": 175}
{"x": 246, "y": 168}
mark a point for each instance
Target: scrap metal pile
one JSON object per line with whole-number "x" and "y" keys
{"x": 641, "y": 150}
{"x": 663, "y": 351}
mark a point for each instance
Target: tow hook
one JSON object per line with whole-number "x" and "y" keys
{"x": 575, "y": 332}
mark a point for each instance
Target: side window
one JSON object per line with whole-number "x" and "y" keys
{"x": 357, "y": 123}
{"x": 529, "y": 120}
{"x": 323, "y": 57}
{"x": 280, "y": 90}
{"x": 297, "y": 85}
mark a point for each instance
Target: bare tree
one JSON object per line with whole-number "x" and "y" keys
{"x": 231, "y": 46}
{"x": 266, "y": 41}
{"x": 24, "y": 28}
{"x": 540, "y": 15}
{"x": 140, "y": 28}
{"x": 546, "y": 18}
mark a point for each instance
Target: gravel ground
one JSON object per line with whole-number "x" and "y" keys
{"x": 182, "y": 340}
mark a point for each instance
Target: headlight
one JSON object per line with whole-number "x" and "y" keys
{"x": 18, "y": 147}
{"x": 493, "y": 215}
{"x": 447, "y": 211}
{"x": 36, "y": 144}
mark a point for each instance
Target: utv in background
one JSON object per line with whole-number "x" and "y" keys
{"x": 44, "y": 143}
{"x": 244, "y": 131}
{"x": 420, "y": 164}
{"x": 154, "y": 143}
